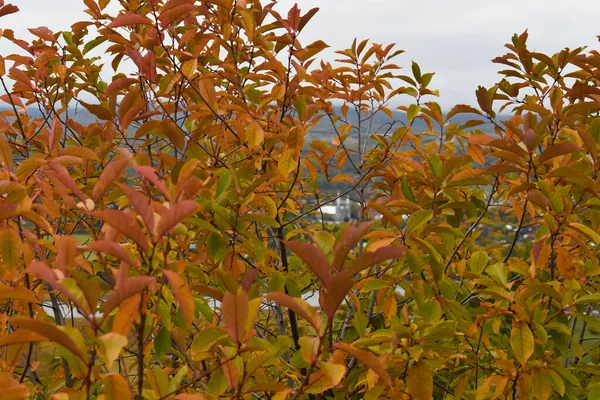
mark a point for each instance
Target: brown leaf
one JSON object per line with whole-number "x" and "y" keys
{"x": 183, "y": 294}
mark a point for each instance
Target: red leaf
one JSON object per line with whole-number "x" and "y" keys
{"x": 109, "y": 175}
{"x": 129, "y": 19}
{"x": 150, "y": 174}
{"x": 174, "y": 215}
{"x": 314, "y": 259}
{"x": 142, "y": 205}
{"x": 235, "y": 309}
{"x": 8, "y": 9}
{"x": 124, "y": 223}
{"x": 337, "y": 291}
{"x": 119, "y": 84}
{"x": 183, "y": 294}
{"x": 167, "y": 17}
{"x": 66, "y": 179}
{"x": 50, "y": 332}
{"x": 125, "y": 288}
{"x": 368, "y": 259}
{"x": 47, "y": 275}
{"x": 351, "y": 236}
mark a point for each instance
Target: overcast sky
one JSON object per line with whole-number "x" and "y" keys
{"x": 455, "y": 39}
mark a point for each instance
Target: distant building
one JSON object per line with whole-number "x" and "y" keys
{"x": 341, "y": 211}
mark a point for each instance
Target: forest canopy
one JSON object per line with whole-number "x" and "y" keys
{"x": 173, "y": 244}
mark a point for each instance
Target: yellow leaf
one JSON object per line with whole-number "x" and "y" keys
{"x": 420, "y": 381}
{"x": 521, "y": 341}
{"x": 113, "y": 344}
{"x": 115, "y": 387}
{"x": 286, "y": 162}
{"x": 255, "y": 134}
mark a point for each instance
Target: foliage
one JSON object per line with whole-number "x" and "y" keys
{"x": 178, "y": 229}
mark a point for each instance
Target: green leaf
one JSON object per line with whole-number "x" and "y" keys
{"x": 162, "y": 342}
{"x": 478, "y": 261}
{"x": 417, "y": 220}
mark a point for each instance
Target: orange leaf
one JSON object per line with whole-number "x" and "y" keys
{"x": 368, "y": 359}
{"x": 298, "y": 306}
{"x": 115, "y": 387}
{"x": 66, "y": 247}
{"x": 235, "y": 309}
{"x": 174, "y": 215}
{"x": 119, "y": 84}
{"x": 124, "y": 223}
{"x": 50, "y": 332}
{"x": 20, "y": 337}
{"x": 125, "y": 288}
{"x": 112, "y": 249}
{"x": 183, "y": 294}
{"x": 558, "y": 149}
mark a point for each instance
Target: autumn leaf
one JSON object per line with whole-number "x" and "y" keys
{"x": 314, "y": 259}
{"x": 521, "y": 341}
{"x": 368, "y": 359}
{"x": 115, "y": 387}
{"x": 558, "y": 149}
{"x": 235, "y": 311}
{"x": 128, "y": 19}
{"x": 183, "y": 294}
{"x": 124, "y": 223}
{"x": 50, "y": 332}
{"x": 174, "y": 215}
{"x": 420, "y": 381}
{"x": 299, "y": 306}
